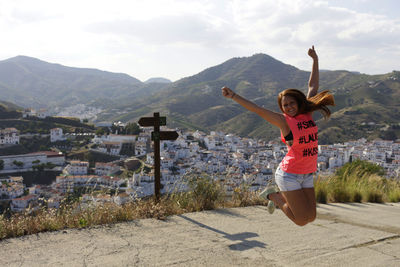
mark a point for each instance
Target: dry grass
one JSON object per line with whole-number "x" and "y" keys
{"x": 359, "y": 181}
{"x": 356, "y": 182}
{"x": 204, "y": 194}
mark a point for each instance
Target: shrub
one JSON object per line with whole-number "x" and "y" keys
{"x": 340, "y": 194}
{"x": 374, "y": 196}
{"x": 394, "y": 196}
{"x": 358, "y": 181}
{"x": 357, "y": 196}
{"x": 19, "y": 164}
{"x": 242, "y": 197}
{"x": 206, "y": 192}
{"x": 321, "y": 191}
{"x": 321, "y": 196}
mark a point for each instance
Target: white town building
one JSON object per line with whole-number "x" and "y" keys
{"x": 111, "y": 148}
{"x": 77, "y": 167}
{"x": 140, "y": 148}
{"x": 26, "y": 161}
{"x": 26, "y": 202}
{"x": 56, "y": 134}
{"x": 9, "y": 136}
{"x": 103, "y": 168}
{"x": 42, "y": 113}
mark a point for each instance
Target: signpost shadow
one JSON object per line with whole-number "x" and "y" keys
{"x": 244, "y": 244}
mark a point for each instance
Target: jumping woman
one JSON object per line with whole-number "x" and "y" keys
{"x": 294, "y": 176}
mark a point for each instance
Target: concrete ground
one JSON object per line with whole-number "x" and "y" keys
{"x": 342, "y": 235}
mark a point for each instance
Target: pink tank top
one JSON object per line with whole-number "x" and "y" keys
{"x": 302, "y": 156}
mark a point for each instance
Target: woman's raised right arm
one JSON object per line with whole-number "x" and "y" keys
{"x": 313, "y": 82}
{"x": 272, "y": 117}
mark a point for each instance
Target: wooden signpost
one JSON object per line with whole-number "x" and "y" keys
{"x": 156, "y": 121}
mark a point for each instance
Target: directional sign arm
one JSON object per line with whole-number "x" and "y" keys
{"x": 168, "y": 135}
{"x": 151, "y": 121}
{"x": 164, "y": 135}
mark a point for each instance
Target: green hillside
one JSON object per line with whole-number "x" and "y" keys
{"x": 38, "y": 126}
{"x": 43, "y": 126}
{"x": 366, "y": 105}
{"x": 30, "y": 82}
{"x": 368, "y": 108}
{"x": 9, "y": 110}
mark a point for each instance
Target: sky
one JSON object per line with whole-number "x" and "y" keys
{"x": 180, "y": 38}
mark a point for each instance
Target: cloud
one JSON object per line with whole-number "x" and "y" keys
{"x": 177, "y": 37}
{"x": 350, "y": 38}
{"x": 303, "y": 22}
{"x": 185, "y": 29}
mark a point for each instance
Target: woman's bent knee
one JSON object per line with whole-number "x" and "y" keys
{"x": 303, "y": 220}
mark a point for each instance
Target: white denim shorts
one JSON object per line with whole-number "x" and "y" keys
{"x": 292, "y": 181}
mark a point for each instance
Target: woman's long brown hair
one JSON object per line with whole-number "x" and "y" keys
{"x": 305, "y": 105}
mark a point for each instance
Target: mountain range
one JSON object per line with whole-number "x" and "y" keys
{"x": 31, "y": 82}
{"x": 366, "y": 105}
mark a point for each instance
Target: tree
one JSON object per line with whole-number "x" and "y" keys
{"x": 132, "y": 128}
{"x": 39, "y": 167}
{"x": 50, "y": 165}
{"x": 115, "y": 128}
{"x": 19, "y": 164}
{"x": 389, "y": 135}
{"x": 100, "y": 131}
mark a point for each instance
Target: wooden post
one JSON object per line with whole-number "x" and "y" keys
{"x": 157, "y": 172}
{"x": 156, "y": 136}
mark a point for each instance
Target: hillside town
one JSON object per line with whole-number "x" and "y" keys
{"x": 232, "y": 160}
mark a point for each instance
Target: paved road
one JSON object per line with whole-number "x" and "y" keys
{"x": 342, "y": 235}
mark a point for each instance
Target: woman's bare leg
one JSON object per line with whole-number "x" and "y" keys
{"x": 312, "y": 212}
{"x": 281, "y": 202}
{"x": 298, "y": 205}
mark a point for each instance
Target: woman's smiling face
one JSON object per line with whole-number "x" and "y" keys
{"x": 289, "y": 105}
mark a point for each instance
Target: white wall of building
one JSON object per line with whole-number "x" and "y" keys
{"x": 9, "y": 136}
{"x": 56, "y": 134}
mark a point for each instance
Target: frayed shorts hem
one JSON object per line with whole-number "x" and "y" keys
{"x": 292, "y": 181}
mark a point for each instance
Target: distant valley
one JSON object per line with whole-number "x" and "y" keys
{"x": 367, "y": 105}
